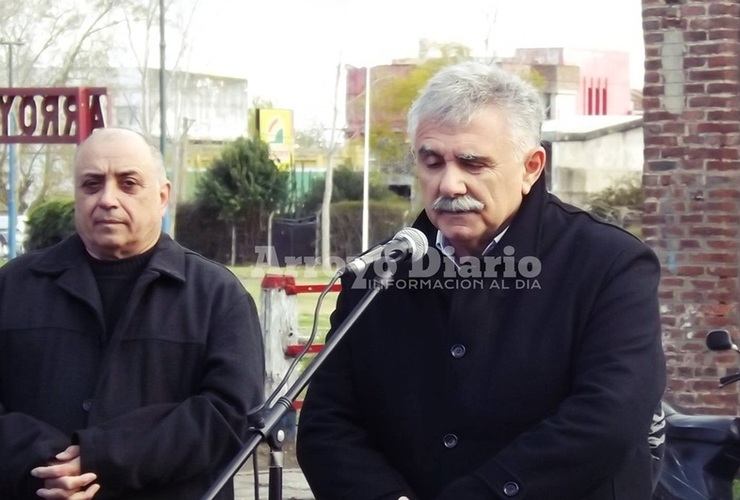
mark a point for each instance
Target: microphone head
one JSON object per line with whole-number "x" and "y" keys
{"x": 417, "y": 242}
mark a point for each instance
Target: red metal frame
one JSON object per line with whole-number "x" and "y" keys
{"x": 51, "y": 115}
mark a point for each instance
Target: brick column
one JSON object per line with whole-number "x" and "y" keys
{"x": 692, "y": 187}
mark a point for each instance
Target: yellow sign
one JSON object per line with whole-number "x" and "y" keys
{"x": 275, "y": 127}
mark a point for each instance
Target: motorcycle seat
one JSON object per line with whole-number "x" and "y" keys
{"x": 706, "y": 428}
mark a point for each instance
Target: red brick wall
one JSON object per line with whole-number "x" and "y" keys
{"x": 692, "y": 186}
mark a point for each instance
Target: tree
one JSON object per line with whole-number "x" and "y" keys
{"x": 347, "y": 187}
{"x": 619, "y": 203}
{"x": 243, "y": 184}
{"x": 72, "y": 43}
{"x": 330, "y": 150}
{"x": 390, "y": 99}
{"x": 62, "y": 41}
{"x": 50, "y": 222}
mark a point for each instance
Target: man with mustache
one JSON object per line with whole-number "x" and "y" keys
{"x": 127, "y": 362}
{"x": 455, "y": 393}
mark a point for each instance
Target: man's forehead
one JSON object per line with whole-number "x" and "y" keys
{"x": 110, "y": 166}
{"x": 461, "y": 151}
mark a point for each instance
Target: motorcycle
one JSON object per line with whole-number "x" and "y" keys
{"x": 701, "y": 453}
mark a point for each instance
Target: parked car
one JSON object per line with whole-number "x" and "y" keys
{"x": 20, "y": 235}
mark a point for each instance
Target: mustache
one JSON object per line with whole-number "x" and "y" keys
{"x": 464, "y": 203}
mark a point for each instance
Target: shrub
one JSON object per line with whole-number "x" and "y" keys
{"x": 621, "y": 203}
{"x": 49, "y": 223}
{"x": 387, "y": 217}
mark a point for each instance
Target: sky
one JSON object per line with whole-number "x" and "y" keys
{"x": 289, "y": 50}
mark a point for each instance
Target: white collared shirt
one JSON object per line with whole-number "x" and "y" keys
{"x": 444, "y": 246}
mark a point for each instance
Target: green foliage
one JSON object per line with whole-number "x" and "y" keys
{"x": 347, "y": 186}
{"x": 391, "y": 100}
{"x": 243, "y": 180}
{"x": 49, "y": 223}
{"x": 620, "y": 202}
{"x": 387, "y": 217}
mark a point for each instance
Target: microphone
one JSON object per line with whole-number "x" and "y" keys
{"x": 407, "y": 243}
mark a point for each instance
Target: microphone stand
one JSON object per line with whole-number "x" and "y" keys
{"x": 264, "y": 421}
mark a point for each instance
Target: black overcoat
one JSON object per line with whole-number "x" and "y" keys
{"x": 157, "y": 410}
{"x": 537, "y": 380}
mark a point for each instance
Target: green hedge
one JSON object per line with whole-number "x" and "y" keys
{"x": 202, "y": 231}
{"x": 49, "y": 223}
{"x": 386, "y": 218}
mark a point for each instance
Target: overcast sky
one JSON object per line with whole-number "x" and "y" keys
{"x": 289, "y": 49}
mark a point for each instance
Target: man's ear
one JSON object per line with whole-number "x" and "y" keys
{"x": 164, "y": 195}
{"x": 534, "y": 165}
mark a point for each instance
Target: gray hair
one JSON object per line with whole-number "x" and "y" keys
{"x": 454, "y": 95}
{"x": 157, "y": 159}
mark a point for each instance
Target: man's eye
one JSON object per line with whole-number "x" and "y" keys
{"x": 433, "y": 164}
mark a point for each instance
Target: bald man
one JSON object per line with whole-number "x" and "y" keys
{"x": 128, "y": 363}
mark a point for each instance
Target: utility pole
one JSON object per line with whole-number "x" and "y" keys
{"x": 366, "y": 167}
{"x": 12, "y": 167}
{"x": 163, "y": 107}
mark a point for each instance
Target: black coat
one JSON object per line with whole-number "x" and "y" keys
{"x": 160, "y": 407}
{"x": 530, "y": 383}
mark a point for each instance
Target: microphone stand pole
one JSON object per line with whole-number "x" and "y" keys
{"x": 265, "y": 420}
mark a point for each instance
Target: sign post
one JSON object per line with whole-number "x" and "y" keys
{"x": 58, "y": 115}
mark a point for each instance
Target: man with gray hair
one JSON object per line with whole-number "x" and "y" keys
{"x": 525, "y": 362}
{"x": 127, "y": 362}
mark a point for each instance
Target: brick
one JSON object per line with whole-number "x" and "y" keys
{"x": 654, "y": 38}
{"x": 725, "y": 193}
{"x": 713, "y": 231}
{"x": 727, "y": 88}
{"x": 712, "y": 48}
{"x": 695, "y": 36}
{"x": 713, "y": 258}
{"x": 724, "y": 9}
{"x": 673, "y": 231}
{"x": 723, "y": 218}
{"x": 650, "y": 24}
{"x": 690, "y": 296}
{"x": 673, "y": 22}
{"x": 722, "y": 61}
{"x": 672, "y": 152}
{"x": 693, "y": 10}
{"x": 723, "y": 165}
{"x": 715, "y": 24}
{"x": 695, "y": 62}
{"x": 691, "y": 219}
{"x": 703, "y": 284}
{"x": 730, "y": 33}
{"x": 722, "y": 244}
{"x": 711, "y": 75}
{"x": 723, "y": 271}
{"x": 722, "y": 128}
{"x": 661, "y": 140}
{"x": 690, "y": 271}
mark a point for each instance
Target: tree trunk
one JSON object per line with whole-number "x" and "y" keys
{"x": 233, "y": 243}
{"x": 328, "y": 179}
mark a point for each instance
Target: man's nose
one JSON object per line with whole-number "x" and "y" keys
{"x": 452, "y": 182}
{"x": 109, "y": 195}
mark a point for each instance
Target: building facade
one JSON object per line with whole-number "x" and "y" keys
{"x": 692, "y": 187}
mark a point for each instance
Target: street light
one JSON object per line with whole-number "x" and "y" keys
{"x": 12, "y": 167}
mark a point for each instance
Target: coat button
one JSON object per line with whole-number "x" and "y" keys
{"x": 450, "y": 441}
{"x": 87, "y": 404}
{"x": 457, "y": 351}
{"x": 511, "y": 489}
